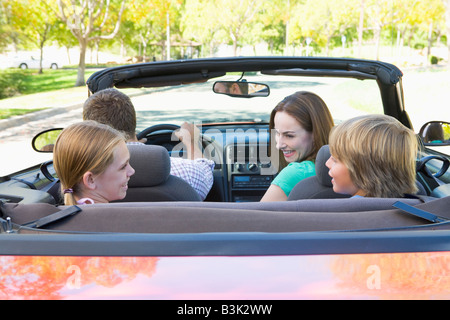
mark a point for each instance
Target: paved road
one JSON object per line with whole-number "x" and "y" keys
{"x": 16, "y": 140}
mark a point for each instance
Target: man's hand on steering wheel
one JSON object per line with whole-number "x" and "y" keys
{"x": 189, "y": 134}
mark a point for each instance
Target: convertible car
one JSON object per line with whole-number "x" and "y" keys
{"x": 158, "y": 243}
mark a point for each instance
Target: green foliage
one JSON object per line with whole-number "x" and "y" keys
{"x": 16, "y": 81}
{"x": 446, "y": 129}
{"x": 211, "y": 23}
{"x": 12, "y": 82}
{"x": 7, "y": 113}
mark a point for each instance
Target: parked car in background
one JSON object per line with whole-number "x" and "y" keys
{"x": 28, "y": 62}
{"x": 231, "y": 246}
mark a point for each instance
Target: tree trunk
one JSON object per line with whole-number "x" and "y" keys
{"x": 41, "y": 57}
{"x": 430, "y": 40}
{"x": 447, "y": 23}
{"x": 360, "y": 29}
{"x": 68, "y": 54}
{"x": 81, "y": 65}
{"x": 377, "y": 42}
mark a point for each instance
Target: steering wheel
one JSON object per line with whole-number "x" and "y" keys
{"x": 421, "y": 165}
{"x": 157, "y": 127}
{"x": 208, "y": 144}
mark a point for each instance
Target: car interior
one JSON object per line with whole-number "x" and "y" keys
{"x": 157, "y": 202}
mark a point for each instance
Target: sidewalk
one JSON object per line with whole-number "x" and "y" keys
{"x": 55, "y": 102}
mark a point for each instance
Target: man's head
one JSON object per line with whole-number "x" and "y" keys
{"x": 113, "y": 108}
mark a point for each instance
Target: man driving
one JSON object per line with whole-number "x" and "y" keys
{"x": 114, "y": 108}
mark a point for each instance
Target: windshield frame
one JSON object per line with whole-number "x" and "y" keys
{"x": 176, "y": 72}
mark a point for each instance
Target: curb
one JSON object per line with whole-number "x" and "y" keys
{"x": 33, "y": 116}
{"x": 38, "y": 115}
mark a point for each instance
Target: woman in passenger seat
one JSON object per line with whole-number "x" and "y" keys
{"x": 301, "y": 123}
{"x": 373, "y": 156}
{"x": 92, "y": 163}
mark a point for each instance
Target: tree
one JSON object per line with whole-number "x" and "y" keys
{"x": 64, "y": 37}
{"x": 34, "y": 22}
{"x": 90, "y": 21}
{"x": 322, "y": 20}
{"x": 236, "y": 17}
{"x": 200, "y": 23}
{"x": 157, "y": 24}
{"x": 275, "y": 18}
{"x": 44, "y": 277}
{"x": 447, "y": 23}
{"x": 8, "y": 33}
{"x": 379, "y": 15}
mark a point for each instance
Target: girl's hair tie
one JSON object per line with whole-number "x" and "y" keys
{"x": 69, "y": 190}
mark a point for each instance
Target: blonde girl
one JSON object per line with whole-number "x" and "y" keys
{"x": 92, "y": 163}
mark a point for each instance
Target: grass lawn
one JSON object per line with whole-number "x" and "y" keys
{"x": 6, "y": 113}
{"x": 30, "y": 81}
{"x": 21, "y": 90}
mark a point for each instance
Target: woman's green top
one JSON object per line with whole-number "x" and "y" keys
{"x": 292, "y": 174}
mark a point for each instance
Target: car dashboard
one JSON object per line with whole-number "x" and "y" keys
{"x": 243, "y": 166}
{"x": 247, "y": 170}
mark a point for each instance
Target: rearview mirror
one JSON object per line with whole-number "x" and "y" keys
{"x": 242, "y": 89}
{"x": 45, "y": 140}
{"x": 435, "y": 133}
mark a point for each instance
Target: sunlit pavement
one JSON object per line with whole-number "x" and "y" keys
{"x": 15, "y": 143}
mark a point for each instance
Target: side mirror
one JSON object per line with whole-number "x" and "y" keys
{"x": 242, "y": 89}
{"x": 45, "y": 140}
{"x": 435, "y": 133}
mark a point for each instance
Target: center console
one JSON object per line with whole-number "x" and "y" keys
{"x": 249, "y": 170}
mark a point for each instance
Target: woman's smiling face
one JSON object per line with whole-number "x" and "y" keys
{"x": 291, "y": 138}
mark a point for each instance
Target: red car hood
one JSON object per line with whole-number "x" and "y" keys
{"x": 351, "y": 276}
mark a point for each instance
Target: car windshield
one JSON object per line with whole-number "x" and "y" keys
{"x": 198, "y": 102}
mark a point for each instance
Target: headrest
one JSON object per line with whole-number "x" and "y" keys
{"x": 321, "y": 169}
{"x": 151, "y": 163}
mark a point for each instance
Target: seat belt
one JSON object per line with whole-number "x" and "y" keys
{"x": 53, "y": 217}
{"x": 419, "y": 212}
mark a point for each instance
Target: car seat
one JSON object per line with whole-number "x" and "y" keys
{"x": 152, "y": 180}
{"x": 320, "y": 186}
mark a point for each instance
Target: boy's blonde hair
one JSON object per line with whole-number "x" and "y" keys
{"x": 380, "y": 154}
{"x": 82, "y": 147}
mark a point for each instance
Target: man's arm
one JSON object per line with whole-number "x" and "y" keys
{"x": 198, "y": 173}
{"x": 189, "y": 134}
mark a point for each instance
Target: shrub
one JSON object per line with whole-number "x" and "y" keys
{"x": 11, "y": 82}
{"x": 434, "y": 60}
